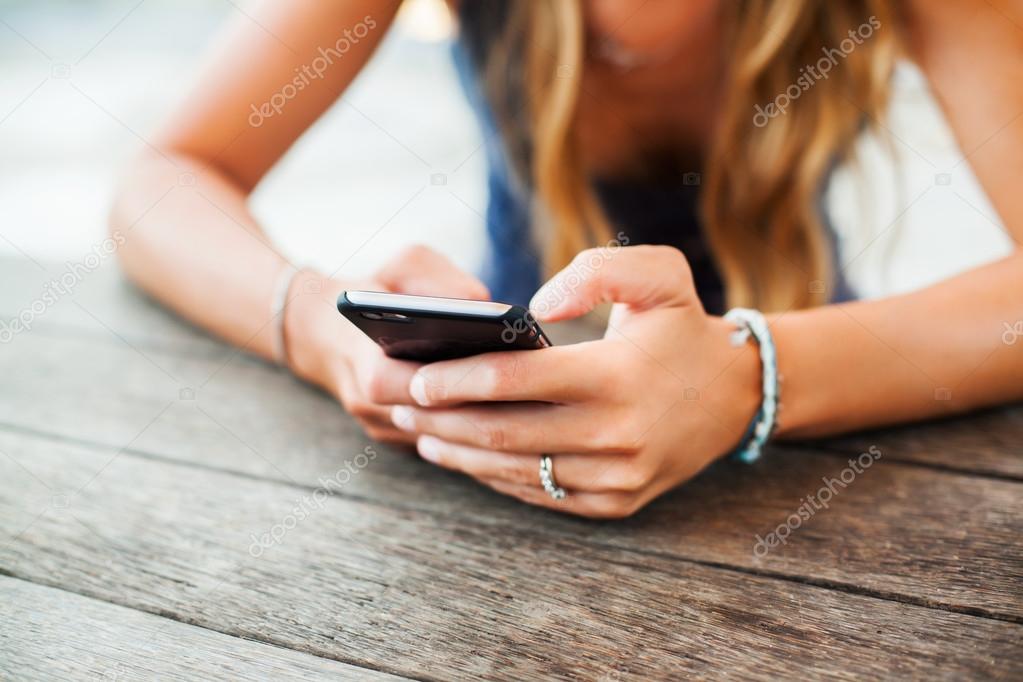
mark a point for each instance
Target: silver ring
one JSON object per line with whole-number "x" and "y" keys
{"x": 547, "y": 478}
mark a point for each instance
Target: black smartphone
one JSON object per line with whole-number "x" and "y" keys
{"x": 430, "y": 328}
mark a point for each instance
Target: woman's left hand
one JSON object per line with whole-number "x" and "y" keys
{"x": 624, "y": 419}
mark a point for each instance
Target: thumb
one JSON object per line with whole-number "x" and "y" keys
{"x": 642, "y": 277}
{"x": 421, "y": 271}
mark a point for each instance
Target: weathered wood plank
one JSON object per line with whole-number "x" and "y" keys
{"x": 918, "y": 534}
{"x": 96, "y": 304}
{"x": 48, "y": 634}
{"x": 439, "y": 596}
{"x": 988, "y": 442}
{"x": 103, "y": 306}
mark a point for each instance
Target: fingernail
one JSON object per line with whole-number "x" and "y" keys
{"x": 543, "y": 303}
{"x": 403, "y": 417}
{"x": 417, "y": 389}
{"x": 537, "y": 301}
{"x": 429, "y": 448}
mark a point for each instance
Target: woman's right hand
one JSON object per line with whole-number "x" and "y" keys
{"x": 326, "y": 349}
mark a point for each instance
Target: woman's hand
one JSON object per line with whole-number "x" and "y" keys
{"x": 330, "y": 351}
{"x": 625, "y": 418}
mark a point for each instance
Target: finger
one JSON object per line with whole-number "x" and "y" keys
{"x": 517, "y": 427}
{"x": 390, "y": 435}
{"x": 589, "y": 473}
{"x": 385, "y": 381}
{"x": 383, "y": 429}
{"x": 642, "y": 277}
{"x": 422, "y": 271}
{"x": 556, "y": 374}
{"x": 593, "y": 505}
{"x": 404, "y": 423}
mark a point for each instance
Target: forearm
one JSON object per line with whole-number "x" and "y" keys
{"x": 190, "y": 242}
{"x": 924, "y": 354}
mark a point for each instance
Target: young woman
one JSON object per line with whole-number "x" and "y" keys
{"x": 850, "y": 171}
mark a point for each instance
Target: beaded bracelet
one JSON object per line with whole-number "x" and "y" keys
{"x": 753, "y": 323}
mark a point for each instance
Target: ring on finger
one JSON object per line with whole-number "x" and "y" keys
{"x": 547, "y": 478}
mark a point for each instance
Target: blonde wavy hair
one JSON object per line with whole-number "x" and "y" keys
{"x": 761, "y": 184}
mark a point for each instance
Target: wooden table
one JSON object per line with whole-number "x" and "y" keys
{"x": 144, "y": 468}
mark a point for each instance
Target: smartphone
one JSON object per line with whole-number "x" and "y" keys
{"x": 430, "y": 328}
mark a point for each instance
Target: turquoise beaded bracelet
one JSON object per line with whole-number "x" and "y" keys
{"x": 753, "y": 323}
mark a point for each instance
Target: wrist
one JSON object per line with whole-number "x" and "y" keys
{"x": 736, "y": 393}
{"x": 752, "y": 326}
{"x": 313, "y": 328}
{"x": 816, "y": 407}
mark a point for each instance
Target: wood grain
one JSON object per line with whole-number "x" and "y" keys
{"x": 47, "y": 634}
{"x": 97, "y": 304}
{"x": 987, "y": 442}
{"x": 904, "y": 532}
{"x": 443, "y": 596}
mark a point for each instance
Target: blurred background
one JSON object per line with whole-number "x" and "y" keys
{"x": 84, "y": 82}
